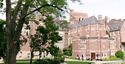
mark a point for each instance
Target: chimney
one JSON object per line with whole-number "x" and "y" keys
{"x": 100, "y": 17}
{"x": 124, "y": 20}
{"x": 119, "y": 19}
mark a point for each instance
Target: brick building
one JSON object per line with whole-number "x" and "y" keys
{"x": 24, "y": 53}
{"x": 91, "y": 37}
{"x": 95, "y": 38}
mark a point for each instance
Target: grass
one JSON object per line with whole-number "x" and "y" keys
{"x": 22, "y": 62}
{"x": 77, "y": 62}
{"x": 68, "y": 62}
{"x": 111, "y": 58}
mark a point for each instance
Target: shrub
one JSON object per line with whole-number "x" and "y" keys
{"x": 59, "y": 59}
{"x": 56, "y": 60}
{"x": 43, "y": 61}
{"x": 119, "y": 54}
{"x": 68, "y": 51}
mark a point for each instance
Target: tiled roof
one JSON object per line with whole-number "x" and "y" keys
{"x": 87, "y": 21}
{"x": 115, "y": 25}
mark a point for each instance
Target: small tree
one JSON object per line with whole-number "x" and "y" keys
{"x": 45, "y": 38}
{"x": 119, "y": 54}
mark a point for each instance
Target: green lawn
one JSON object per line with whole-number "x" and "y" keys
{"x": 77, "y": 62}
{"x": 68, "y": 62}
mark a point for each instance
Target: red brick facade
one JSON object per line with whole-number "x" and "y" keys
{"x": 91, "y": 40}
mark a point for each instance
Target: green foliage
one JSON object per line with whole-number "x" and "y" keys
{"x": 53, "y": 50}
{"x": 2, "y": 38}
{"x": 45, "y": 38}
{"x": 119, "y": 54}
{"x": 63, "y": 24}
{"x": 49, "y": 31}
{"x": 1, "y": 3}
{"x": 20, "y": 13}
{"x": 68, "y": 51}
{"x": 59, "y": 59}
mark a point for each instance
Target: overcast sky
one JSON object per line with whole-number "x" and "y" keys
{"x": 110, "y": 8}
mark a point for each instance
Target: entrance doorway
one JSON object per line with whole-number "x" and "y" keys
{"x": 93, "y": 55}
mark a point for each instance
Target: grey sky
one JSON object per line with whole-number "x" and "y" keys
{"x": 110, "y": 8}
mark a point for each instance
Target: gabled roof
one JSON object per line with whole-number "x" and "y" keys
{"x": 87, "y": 21}
{"x": 115, "y": 25}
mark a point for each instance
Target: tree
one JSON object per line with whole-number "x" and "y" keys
{"x": 119, "y": 54}
{"x": 18, "y": 13}
{"x": 45, "y": 38}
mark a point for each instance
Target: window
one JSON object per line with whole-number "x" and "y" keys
{"x": 83, "y": 46}
{"x": 20, "y": 56}
{"x": 21, "y": 52}
{"x": 82, "y": 41}
{"x": 93, "y": 28}
{"x": 28, "y": 55}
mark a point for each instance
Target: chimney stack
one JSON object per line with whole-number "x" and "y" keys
{"x": 124, "y": 20}
{"x": 100, "y": 17}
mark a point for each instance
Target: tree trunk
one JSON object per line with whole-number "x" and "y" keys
{"x": 13, "y": 35}
{"x": 10, "y": 48}
{"x": 11, "y": 54}
{"x": 11, "y": 59}
{"x": 39, "y": 56}
{"x": 31, "y": 58}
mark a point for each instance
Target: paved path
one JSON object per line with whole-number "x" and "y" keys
{"x": 1, "y": 61}
{"x": 100, "y": 62}
{"x": 108, "y": 62}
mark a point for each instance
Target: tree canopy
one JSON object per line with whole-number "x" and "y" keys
{"x": 18, "y": 13}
